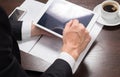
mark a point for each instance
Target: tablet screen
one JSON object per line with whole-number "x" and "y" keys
{"x": 58, "y": 14}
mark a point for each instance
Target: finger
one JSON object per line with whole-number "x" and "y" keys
{"x": 85, "y": 41}
{"x": 87, "y": 36}
{"x": 81, "y": 29}
{"x": 75, "y": 23}
{"x": 68, "y": 25}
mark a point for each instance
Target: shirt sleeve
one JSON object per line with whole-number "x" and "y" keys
{"x": 26, "y": 30}
{"x": 68, "y": 58}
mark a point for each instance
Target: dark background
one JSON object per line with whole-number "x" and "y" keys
{"x": 103, "y": 58}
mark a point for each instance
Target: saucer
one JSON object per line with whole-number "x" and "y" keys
{"x": 102, "y": 21}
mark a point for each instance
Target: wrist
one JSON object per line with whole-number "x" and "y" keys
{"x": 71, "y": 51}
{"x": 68, "y": 58}
{"x": 35, "y": 31}
{"x": 26, "y": 30}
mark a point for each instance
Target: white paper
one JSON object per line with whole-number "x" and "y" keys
{"x": 32, "y": 9}
{"x": 48, "y": 48}
{"x": 28, "y": 44}
{"x": 30, "y": 62}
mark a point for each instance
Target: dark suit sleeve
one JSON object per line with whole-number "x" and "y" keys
{"x": 9, "y": 65}
{"x": 16, "y": 27}
{"x": 59, "y": 68}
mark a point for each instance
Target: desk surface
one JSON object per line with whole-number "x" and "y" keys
{"x": 103, "y": 59}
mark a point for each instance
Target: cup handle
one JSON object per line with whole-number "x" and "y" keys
{"x": 119, "y": 13}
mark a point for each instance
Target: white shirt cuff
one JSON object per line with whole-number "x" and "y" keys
{"x": 26, "y": 29}
{"x": 68, "y": 58}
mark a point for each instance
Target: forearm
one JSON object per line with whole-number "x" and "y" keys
{"x": 59, "y": 68}
{"x": 16, "y": 27}
{"x": 9, "y": 66}
{"x": 21, "y": 29}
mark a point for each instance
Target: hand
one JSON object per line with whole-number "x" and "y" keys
{"x": 35, "y": 31}
{"x": 75, "y": 38}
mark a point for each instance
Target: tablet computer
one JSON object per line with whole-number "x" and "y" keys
{"x": 60, "y": 12}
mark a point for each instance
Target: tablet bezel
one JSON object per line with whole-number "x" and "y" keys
{"x": 89, "y": 27}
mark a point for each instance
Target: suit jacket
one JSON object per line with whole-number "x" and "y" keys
{"x": 10, "y": 54}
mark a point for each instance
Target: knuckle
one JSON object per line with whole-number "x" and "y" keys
{"x": 86, "y": 32}
{"x": 89, "y": 38}
{"x": 76, "y": 20}
{"x": 75, "y": 26}
{"x": 82, "y": 29}
{"x": 67, "y": 24}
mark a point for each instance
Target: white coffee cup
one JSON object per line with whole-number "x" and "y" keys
{"x": 110, "y": 10}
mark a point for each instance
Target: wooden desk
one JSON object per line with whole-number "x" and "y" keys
{"x": 103, "y": 59}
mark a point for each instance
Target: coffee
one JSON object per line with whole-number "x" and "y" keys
{"x": 110, "y": 8}
{"x": 110, "y": 11}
